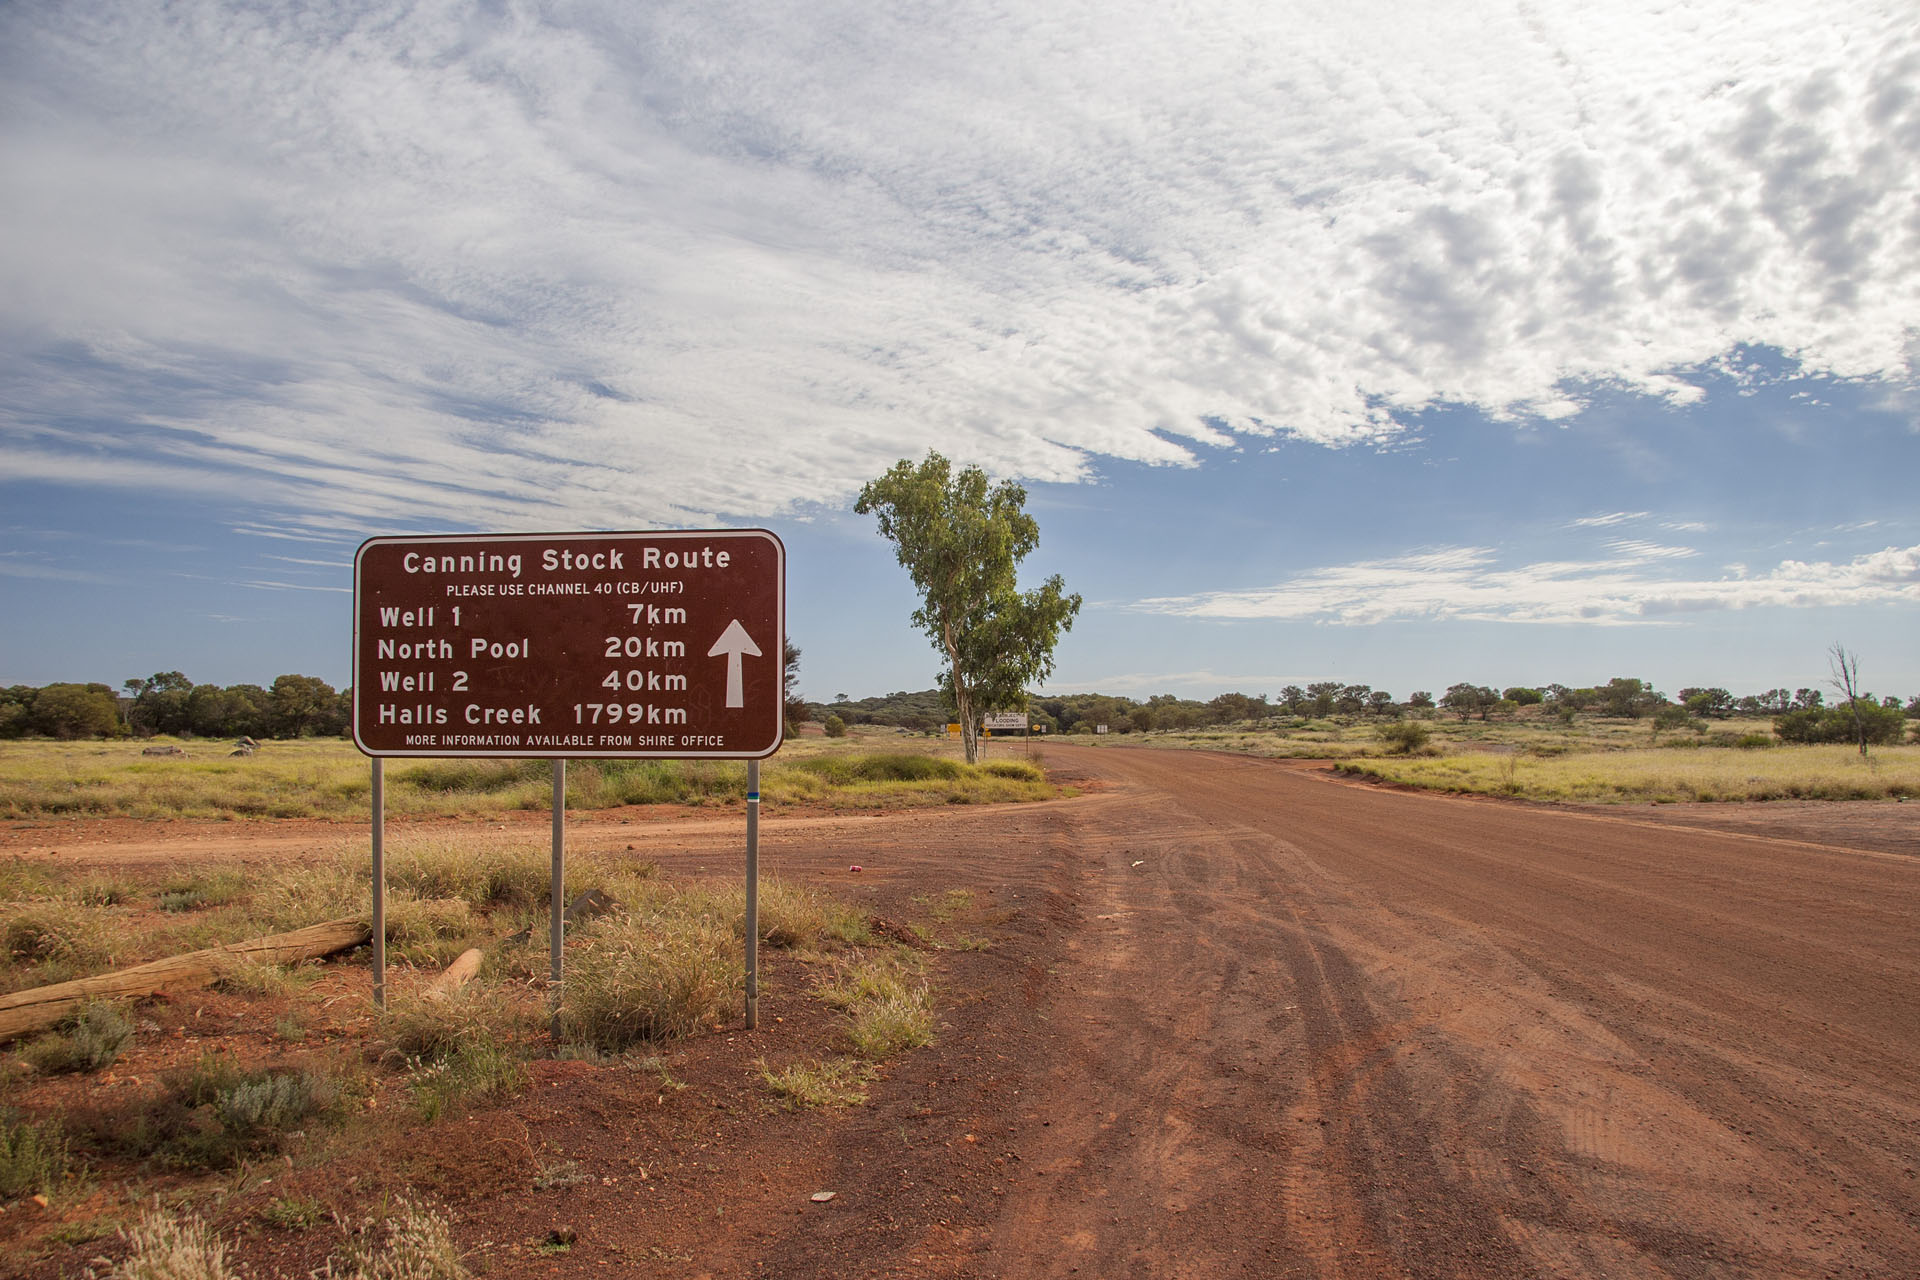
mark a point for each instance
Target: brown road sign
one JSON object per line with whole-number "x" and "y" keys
{"x": 581, "y": 645}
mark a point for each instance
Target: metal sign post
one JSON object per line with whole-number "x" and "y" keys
{"x": 379, "y": 882}
{"x": 557, "y": 908}
{"x": 571, "y": 646}
{"x": 753, "y": 894}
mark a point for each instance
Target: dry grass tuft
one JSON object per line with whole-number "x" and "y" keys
{"x": 163, "y": 1247}
{"x": 840, "y": 1082}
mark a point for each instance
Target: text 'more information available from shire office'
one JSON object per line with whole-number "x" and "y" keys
{"x": 576, "y": 645}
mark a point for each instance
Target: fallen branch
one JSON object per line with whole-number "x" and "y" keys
{"x": 454, "y": 976}
{"x": 43, "y": 1007}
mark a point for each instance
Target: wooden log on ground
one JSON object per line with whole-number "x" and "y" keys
{"x": 454, "y": 976}
{"x": 42, "y": 1007}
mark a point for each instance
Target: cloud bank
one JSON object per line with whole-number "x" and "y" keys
{"x": 614, "y": 265}
{"x": 1622, "y": 588}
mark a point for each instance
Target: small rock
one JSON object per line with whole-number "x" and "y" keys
{"x": 819, "y": 1197}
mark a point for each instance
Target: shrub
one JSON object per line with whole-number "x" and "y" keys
{"x": 428, "y": 931}
{"x": 835, "y": 726}
{"x": 1404, "y": 737}
{"x": 33, "y": 1157}
{"x": 484, "y": 777}
{"x": 464, "y": 1047}
{"x": 476, "y": 1068}
{"x": 214, "y": 1114}
{"x": 1881, "y": 725}
{"x": 91, "y": 1040}
{"x": 794, "y": 916}
{"x": 881, "y": 766}
{"x": 480, "y": 875}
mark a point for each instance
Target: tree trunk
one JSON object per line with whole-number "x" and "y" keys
{"x": 43, "y": 1007}
{"x": 969, "y": 727}
{"x": 962, "y": 699}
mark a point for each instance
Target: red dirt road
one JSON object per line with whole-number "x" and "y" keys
{"x": 1240, "y": 1018}
{"x": 1284, "y": 1026}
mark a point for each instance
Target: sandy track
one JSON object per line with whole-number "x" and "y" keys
{"x": 1241, "y": 1019}
{"x": 1271, "y": 1025}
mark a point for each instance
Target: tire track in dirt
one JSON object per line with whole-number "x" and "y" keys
{"x": 1535, "y": 1052}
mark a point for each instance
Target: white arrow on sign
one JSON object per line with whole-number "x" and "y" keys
{"x": 733, "y": 642}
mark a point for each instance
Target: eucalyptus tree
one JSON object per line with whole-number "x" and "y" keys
{"x": 961, "y": 539}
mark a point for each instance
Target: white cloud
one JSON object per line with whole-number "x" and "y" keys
{"x": 624, "y": 265}
{"x": 1468, "y": 583}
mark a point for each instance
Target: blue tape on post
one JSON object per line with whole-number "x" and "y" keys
{"x": 753, "y": 797}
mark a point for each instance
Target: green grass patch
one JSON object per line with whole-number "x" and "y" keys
{"x": 838, "y": 1082}
{"x": 323, "y": 778}
{"x": 1666, "y": 775}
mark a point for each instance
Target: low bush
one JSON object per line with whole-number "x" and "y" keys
{"x": 1019, "y": 770}
{"x": 481, "y": 875}
{"x": 89, "y": 1041}
{"x": 34, "y": 1156}
{"x": 53, "y": 941}
{"x": 1879, "y": 725}
{"x": 214, "y": 1114}
{"x": 428, "y": 931}
{"x": 1404, "y": 737}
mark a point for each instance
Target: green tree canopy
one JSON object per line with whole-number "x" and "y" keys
{"x": 75, "y": 711}
{"x": 961, "y": 540}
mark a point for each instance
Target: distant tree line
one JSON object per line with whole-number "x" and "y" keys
{"x": 1799, "y": 716}
{"x": 167, "y": 702}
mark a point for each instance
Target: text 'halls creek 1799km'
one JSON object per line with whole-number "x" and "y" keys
{"x": 572, "y": 644}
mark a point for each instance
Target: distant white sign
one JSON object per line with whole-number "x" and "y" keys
{"x": 1007, "y": 721}
{"x": 1099, "y": 728}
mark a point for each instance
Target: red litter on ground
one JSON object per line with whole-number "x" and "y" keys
{"x": 854, "y": 867}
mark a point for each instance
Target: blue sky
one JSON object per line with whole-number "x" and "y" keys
{"x": 1504, "y": 344}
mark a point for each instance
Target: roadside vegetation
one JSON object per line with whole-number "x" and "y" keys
{"x": 329, "y": 778}
{"x": 202, "y": 1094}
{"x": 1663, "y": 776}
